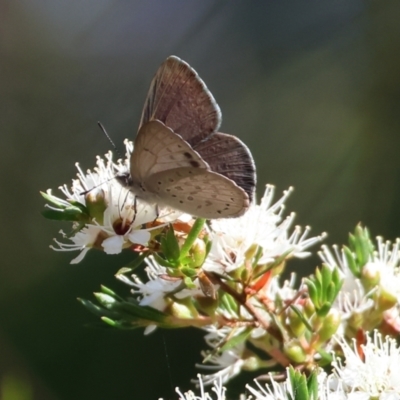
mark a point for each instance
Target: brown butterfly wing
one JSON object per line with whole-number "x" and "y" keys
{"x": 229, "y": 156}
{"x": 199, "y": 192}
{"x": 180, "y": 99}
{"x": 157, "y": 148}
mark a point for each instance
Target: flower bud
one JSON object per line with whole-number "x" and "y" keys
{"x": 330, "y": 324}
{"x": 296, "y": 324}
{"x": 198, "y": 253}
{"x": 183, "y": 309}
{"x": 295, "y": 352}
{"x": 96, "y": 204}
{"x": 385, "y": 300}
{"x": 371, "y": 274}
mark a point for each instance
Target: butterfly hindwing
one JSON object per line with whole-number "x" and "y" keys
{"x": 199, "y": 192}
{"x": 180, "y": 99}
{"x": 158, "y": 149}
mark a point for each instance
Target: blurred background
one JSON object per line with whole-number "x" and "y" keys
{"x": 312, "y": 87}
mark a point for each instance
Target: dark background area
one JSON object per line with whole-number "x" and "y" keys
{"x": 312, "y": 87}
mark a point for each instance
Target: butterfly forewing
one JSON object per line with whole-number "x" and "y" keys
{"x": 180, "y": 99}
{"x": 229, "y": 156}
{"x": 199, "y": 192}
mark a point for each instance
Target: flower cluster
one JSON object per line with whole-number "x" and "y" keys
{"x": 225, "y": 277}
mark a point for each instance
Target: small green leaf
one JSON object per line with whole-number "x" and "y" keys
{"x": 312, "y": 291}
{"x": 163, "y": 262}
{"x": 134, "y": 264}
{"x": 299, "y": 385}
{"x": 236, "y": 340}
{"x": 303, "y": 319}
{"x": 170, "y": 246}
{"x": 324, "y": 309}
{"x": 189, "y": 272}
{"x": 312, "y": 386}
{"x": 351, "y": 262}
{"x": 192, "y": 236}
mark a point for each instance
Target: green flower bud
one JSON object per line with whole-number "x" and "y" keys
{"x": 295, "y": 352}
{"x": 296, "y": 324}
{"x": 96, "y": 204}
{"x": 370, "y": 274}
{"x": 330, "y": 324}
{"x": 198, "y": 253}
{"x": 385, "y": 300}
{"x": 183, "y": 309}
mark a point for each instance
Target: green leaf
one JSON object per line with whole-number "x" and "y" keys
{"x": 312, "y": 291}
{"x": 326, "y": 358}
{"x": 110, "y": 292}
{"x": 303, "y": 319}
{"x": 120, "y": 324}
{"x": 324, "y": 309}
{"x": 351, "y": 262}
{"x": 312, "y": 386}
{"x": 96, "y": 310}
{"x": 363, "y": 245}
{"x": 192, "y": 236}
{"x": 143, "y": 312}
{"x": 236, "y": 340}
{"x": 163, "y": 262}
{"x": 299, "y": 385}
{"x": 170, "y": 246}
{"x": 134, "y": 264}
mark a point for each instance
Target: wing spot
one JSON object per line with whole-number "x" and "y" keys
{"x": 208, "y": 203}
{"x": 188, "y": 155}
{"x": 195, "y": 164}
{"x": 190, "y": 198}
{"x": 174, "y": 195}
{"x": 171, "y": 180}
{"x": 181, "y": 201}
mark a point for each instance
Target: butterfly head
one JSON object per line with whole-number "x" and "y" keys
{"x": 124, "y": 179}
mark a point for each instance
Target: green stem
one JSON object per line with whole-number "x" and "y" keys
{"x": 192, "y": 236}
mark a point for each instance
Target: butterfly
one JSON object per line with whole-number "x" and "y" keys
{"x": 179, "y": 159}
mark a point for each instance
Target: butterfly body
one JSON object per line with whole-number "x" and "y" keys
{"x": 179, "y": 159}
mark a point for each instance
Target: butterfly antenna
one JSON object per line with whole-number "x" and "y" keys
{"x": 110, "y": 140}
{"x": 85, "y": 192}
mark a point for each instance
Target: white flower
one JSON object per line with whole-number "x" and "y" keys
{"x": 115, "y": 219}
{"x": 153, "y": 292}
{"x": 227, "y": 364}
{"x": 373, "y": 374}
{"x": 261, "y": 225}
{"x": 386, "y": 261}
{"x": 217, "y": 388}
{"x": 382, "y": 268}
{"x": 284, "y": 390}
